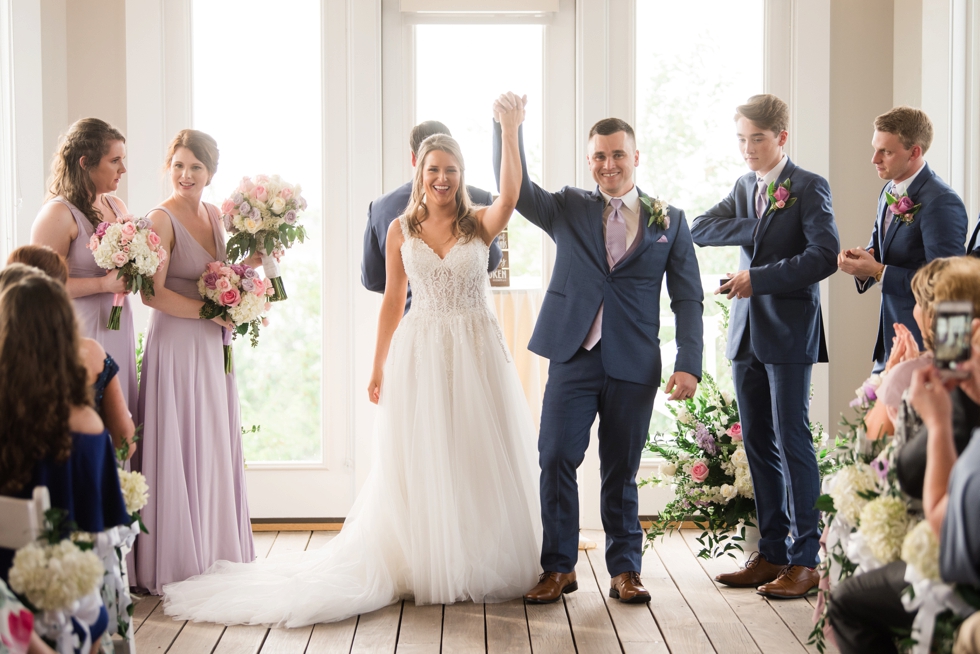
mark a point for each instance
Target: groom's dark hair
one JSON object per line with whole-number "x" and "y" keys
{"x": 423, "y": 131}
{"x": 608, "y": 126}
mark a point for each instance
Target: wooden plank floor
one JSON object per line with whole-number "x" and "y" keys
{"x": 689, "y": 614}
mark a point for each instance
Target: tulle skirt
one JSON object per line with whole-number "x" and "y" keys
{"x": 450, "y": 508}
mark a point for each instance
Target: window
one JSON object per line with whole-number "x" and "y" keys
{"x": 459, "y": 71}
{"x": 695, "y": 63}
{"x": 260, "y": 98}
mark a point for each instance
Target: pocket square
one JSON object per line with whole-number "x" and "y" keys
{"x": 662, "y": 239}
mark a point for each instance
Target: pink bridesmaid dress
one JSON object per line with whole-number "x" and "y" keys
{"x": 192, "y": 442}
{"x": 92, "y": 311}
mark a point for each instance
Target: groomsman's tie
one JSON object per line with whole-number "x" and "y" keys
{"x": 887, "y": 222}
{"x": 760, "y": 197}
{"x": 615, "y": 233}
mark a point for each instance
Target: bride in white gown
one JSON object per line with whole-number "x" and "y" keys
{"x": 450, "y": 508}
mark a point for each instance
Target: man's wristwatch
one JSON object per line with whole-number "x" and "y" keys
{"x": 881, "y": 271}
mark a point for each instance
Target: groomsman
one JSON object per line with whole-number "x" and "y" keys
{"x": 920, "y": 218}
{"x": 386, "y": 208}
{"x": 781, "y": 217}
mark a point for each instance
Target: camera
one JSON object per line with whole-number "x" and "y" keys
{"x": 951, "y": 336}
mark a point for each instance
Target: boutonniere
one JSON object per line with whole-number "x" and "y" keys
{"x": 657, "y": 209}
{"x": 779, "y": 197}
{"x": 902, "y": 207}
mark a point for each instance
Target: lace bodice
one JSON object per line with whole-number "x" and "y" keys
{"x": 452, "y": 286}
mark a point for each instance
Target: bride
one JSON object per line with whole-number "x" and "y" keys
{"x": 449, "y": 511}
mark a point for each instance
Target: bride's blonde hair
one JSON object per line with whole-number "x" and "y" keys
{"x": 464, "y": 226}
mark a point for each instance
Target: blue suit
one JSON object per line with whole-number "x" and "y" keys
{"x": 937, "y": 230}
{"x": 618, "y": 378}
{"x": 973, "y": 249}
{"x": 381, "y": 213}
{"x": 774, "y": 338}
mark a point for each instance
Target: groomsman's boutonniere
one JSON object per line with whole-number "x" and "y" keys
{"x": 779, "y": 197}
{"x": 657, "y": 209}
{"x": 902, "y": 207}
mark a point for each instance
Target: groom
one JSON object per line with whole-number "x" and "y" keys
{"x": 599, "y": 325}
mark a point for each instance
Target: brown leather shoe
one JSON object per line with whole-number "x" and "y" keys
{"x": 551, "y": 586}
{"x": 794, "y": 581}
{"x": 628, "y": 588}
{"x": 757, "y": 571}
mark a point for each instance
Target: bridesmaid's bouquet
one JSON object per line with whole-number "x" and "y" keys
{"x": 130, "y": 246}
{"x": 261, "y": 215}
{"x": 236, "y": 293}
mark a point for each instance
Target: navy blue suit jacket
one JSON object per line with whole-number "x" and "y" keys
{"x": 787, "y": 253}
{"x": 381, "y": 213}
{"x": 630, "y": 294}
{"x": 937, "y": 230}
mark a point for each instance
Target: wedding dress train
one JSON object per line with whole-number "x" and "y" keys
{"x": 450, "y": 508}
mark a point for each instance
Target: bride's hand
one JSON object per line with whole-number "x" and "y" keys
{"x": 508, "y": 109}
{"x": 374, "y": 388}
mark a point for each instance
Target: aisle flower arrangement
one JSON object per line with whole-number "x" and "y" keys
{"x": 130, "y": 246}
{"x": 235, "y": 293}
{"x": 262, "y": 217}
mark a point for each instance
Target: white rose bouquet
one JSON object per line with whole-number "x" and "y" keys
{"x": 262, "y": 216}
{"x": 129, "y": 245}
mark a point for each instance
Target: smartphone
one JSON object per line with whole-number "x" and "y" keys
{"x": 724, "y": 280}
{"x": 951, "y": 336}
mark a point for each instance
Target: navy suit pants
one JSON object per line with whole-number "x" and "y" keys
{"x": 577, "y": 391}
{"x": 774, "y": 406}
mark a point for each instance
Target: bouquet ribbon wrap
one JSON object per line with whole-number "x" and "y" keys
{"x": 117, "y": 304}
{"x": 271, "y": 268}
{"x": 56, "y": 626}
{"x": 226, "y": 337}
{"x": 930, "y": 599}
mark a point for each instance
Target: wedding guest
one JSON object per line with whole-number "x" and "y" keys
{"x": 926, "y": 221}
{"x": 389, "y": 206}
{"x": 192, "y": 442}
{"x": 17, "y": 626}
{"x": 50, "y": 435}
{"x": 866, "y": 610}
{"x": 85, "y": 172}
{"x": 102, "y": 368}
{"x": 781, "y": 216}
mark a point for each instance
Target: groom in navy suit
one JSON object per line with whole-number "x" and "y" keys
{"x": 781, "y": 217}
{"x": 926, "y": 222}
{"x": 599, "y": 325}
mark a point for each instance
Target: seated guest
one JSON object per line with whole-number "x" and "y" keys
{"x": 866, "y": 610}
{"x": 16, "y": 627}
{"x": 50, "y": 435}
{"x": 102, "y": 368}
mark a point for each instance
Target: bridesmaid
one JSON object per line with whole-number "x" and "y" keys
{"x": 192, "y": 445}
{"x": 85, "y": 172}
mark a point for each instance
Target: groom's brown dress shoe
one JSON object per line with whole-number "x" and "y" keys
{"x": 628, "y": 588}
{"x": 757, "y": 571}
{"x": 551, "y": 586}
{"x": 794, "y": 581}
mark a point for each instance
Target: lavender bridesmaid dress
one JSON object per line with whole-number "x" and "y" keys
{"x": 192, "y": 441}
{"x": 93, "y": 310}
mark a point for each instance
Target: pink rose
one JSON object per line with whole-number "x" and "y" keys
{"x": 162, "y": 254}
{"x": 735, "y": 431}
{"x": 223, "y": 285}
{"x": 904, "y": 205}
{"x": 269, "y": 290}
{"x": 260, "y": 194}
{"x": 93, "y": 243}
{"x": 227, "y": 206}
{"x": 19, "y": 626}
{"x": 153, "y": 239}
{"x": 261, "y": 179}
{"x": 699, "y": 471}
{"x": 226, "y": 271}
{"x": 267, "y": 307}
{"x": 120, "y": 259}
{"x": 781, "y": 194}
{"x": 780, "y": 204}
{"x": 286, "y": 194}
{"x": 214, "y": 266}
{"x": 230, "y": 298}
{"x": 258, "y": 286}
{"x": 129, "y": 229}
{"x": 101, "y": 229}
{"x": 245, "y": 185}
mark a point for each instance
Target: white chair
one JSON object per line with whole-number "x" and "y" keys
{"x": 21, "y": 521}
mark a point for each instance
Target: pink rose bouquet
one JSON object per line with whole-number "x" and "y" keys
{"x": 261, "y": 215}
{"x": 130, "y": 246}
{"x": 236, "y": 293}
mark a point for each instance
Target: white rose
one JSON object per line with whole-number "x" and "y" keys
{"x": 728, "y": 491}
{"x": 727, "y": 397}
{"x": 278, "y": 206}
{"x": 668, "y": 469}
{"x": 738, "y": 457}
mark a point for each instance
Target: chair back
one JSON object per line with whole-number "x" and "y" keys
{"x": 21, "y": 521}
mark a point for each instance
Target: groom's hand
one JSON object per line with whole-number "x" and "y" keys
{"x": 739, "y": 285}
{"x": 681, "y": 386}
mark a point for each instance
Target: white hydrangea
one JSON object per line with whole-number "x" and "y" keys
{"x": 920, "y": 550}
{"x": 846, "y": 486}
{"x": 743, "y": 483}
{"x": 52, "y": 577}
{"x": 135, "y": 490}
{"x": 884, "y": 522}
{"x": 251, "y": 307}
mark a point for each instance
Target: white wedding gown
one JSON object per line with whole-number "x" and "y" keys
{"x": 450, "y": 508}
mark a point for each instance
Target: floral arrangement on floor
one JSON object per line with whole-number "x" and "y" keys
{"x": 129, "y": 245}
{"x": 236, "y": 293}
{"x": 868, "y": 522}
{"x": 261, "y": 215}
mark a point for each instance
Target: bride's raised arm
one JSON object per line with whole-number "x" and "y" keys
{"x": 509, "y": 112}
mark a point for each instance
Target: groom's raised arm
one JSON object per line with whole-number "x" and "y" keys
{"x": 537, "y": 205}
{"x": 686, "y": 300}
{"x": 721, "y": 225}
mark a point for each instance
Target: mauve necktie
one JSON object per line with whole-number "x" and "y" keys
{"x": 889, "y": 216}
{"x": 760, "y": 197}
{"x": 615, "y": 249}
